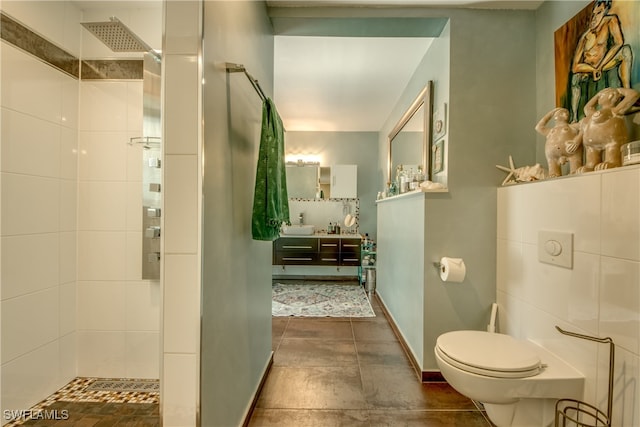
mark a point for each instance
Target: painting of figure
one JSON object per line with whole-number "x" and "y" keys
{"x": 595, "y": 50}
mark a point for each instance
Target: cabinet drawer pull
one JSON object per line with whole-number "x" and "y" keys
{"x": 296, "y": 247}
{"x": 329, "y": 259}
{"x": 330, "y": 245}
{"x": 348, "y": 245}
{"x": 296, "y": 259}
{"x": 351, "y": 259}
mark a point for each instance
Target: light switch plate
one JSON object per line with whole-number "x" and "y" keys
{"x": 555, "y": 247}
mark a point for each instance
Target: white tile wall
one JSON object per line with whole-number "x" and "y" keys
{"x": 182, "y": 206}
{"x": 182, "y": 139}
{"x": 600, "y": 296}
{"x": 71, "y": 207}
{"x": 29, "y": 377}
{"x": 19, "y": 255}
{"x": 38, "y": 186}
{"x": 101, "y": 354}
{"x": 22, "y": 332}
{"x": 180, "y": 390}
{"x": 113, "y": 302}
{"x": 181, "y": 320}
{"x": 181, "y": 220}
{"x": 53, "y": 20}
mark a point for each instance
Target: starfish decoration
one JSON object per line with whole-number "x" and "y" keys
{"x": 511, "y": 169}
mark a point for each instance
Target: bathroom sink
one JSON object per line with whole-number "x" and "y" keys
{"x": 298, "y": 230}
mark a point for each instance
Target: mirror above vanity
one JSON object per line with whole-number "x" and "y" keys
{"x": 302, "y": 180}
{"x": 309, "y": 180}
{"x": 410, "y": 140}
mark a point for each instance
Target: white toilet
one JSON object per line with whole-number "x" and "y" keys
{"x": 518, "y": 382}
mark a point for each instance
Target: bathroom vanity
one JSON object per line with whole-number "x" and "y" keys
{"x": 320, "y": 250}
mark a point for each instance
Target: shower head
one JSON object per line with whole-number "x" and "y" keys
{"x": 117, "y": 36}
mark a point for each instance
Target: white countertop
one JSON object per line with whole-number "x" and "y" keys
{"x": 327, "y": 235}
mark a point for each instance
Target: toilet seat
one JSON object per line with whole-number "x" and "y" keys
{"x": 489, "y": 354}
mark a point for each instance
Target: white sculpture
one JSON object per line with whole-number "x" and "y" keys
{"x": 604, "y": 129}
{"x": 564, "y": 141}
{"x": 522, "y": 174}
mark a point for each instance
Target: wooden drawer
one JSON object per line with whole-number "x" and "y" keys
{"x": 350, "y": 252}
{"x": 295, "y": 258}
{"x": 349, "y": 259}
{"x": 296, "y": 244}
{"x": 329, "y": 251}
{"x": 350, "y": 246}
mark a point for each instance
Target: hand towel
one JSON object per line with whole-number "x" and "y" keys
{"x": 270, "y": 199}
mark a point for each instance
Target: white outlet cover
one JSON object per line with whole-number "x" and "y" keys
{"x": 555, "y": 247}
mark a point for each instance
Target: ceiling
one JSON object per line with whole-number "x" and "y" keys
{"x": 327, "y": 80}
{"x": 342, "y": 83}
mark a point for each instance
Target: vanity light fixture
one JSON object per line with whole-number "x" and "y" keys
{"x": 302, "y": 159}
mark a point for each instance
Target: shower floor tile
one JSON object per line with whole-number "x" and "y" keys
{"x": 76, "y": 404}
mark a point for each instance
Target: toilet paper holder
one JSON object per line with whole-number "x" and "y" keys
{"x": 451, "y": 269}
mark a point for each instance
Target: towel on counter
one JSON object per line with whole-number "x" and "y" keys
{"x": 270, "y": 199}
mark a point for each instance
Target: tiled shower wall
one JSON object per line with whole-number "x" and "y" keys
{"x": 599, "y": 296}
{"x": 39, "y": 162}
{"x": 118, "y": 312}
{"x": 73, "y": 302}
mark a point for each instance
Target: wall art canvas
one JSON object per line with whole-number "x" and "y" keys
{"x": 596, "y": 49}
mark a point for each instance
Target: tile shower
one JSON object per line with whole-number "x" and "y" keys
{"x": 72, "y": 293}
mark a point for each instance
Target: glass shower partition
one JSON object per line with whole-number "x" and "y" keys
{"x": 151, "y": 142}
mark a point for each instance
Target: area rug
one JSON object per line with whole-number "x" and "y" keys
{"x": 320, "y": 300}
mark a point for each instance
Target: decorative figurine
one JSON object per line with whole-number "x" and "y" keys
{"x": 522, "y": 174}
{"x": 604, "y": 129}
{"x": 564, "y": 141}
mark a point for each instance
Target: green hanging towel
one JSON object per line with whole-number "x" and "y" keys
{"x": 270, "y": 199}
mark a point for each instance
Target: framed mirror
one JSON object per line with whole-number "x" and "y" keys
{"x": 410, "y": 139}
{"x": 302, "y": 180}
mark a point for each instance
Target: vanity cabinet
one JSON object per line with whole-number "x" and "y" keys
{"x": 327, "y": 251}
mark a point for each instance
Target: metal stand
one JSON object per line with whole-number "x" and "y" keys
{"x": 574, "y": 413}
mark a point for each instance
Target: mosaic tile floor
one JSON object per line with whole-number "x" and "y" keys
{"x": 96, "y": 402}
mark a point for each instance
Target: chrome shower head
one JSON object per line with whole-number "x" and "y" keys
{"x": 117, "y": 36}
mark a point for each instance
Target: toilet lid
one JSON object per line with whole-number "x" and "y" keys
{"x": 491, "y": 354}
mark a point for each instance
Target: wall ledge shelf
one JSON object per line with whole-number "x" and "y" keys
{"x": 413, "y": 193}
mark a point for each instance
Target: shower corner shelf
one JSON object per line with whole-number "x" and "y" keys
{"x": 146, "y": 140}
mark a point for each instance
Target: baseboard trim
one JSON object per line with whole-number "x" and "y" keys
{"x": 256, "y": 395}
{"x": 423, "y": 376}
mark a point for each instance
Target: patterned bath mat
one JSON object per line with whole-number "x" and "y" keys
{"x": 320, "y": 300}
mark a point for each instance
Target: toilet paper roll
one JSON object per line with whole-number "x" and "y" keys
{"x": 452, "y": 269}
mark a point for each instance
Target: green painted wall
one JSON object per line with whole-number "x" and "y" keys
{"x": 487, "y": 79}
{"x": 236, "y": 298}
